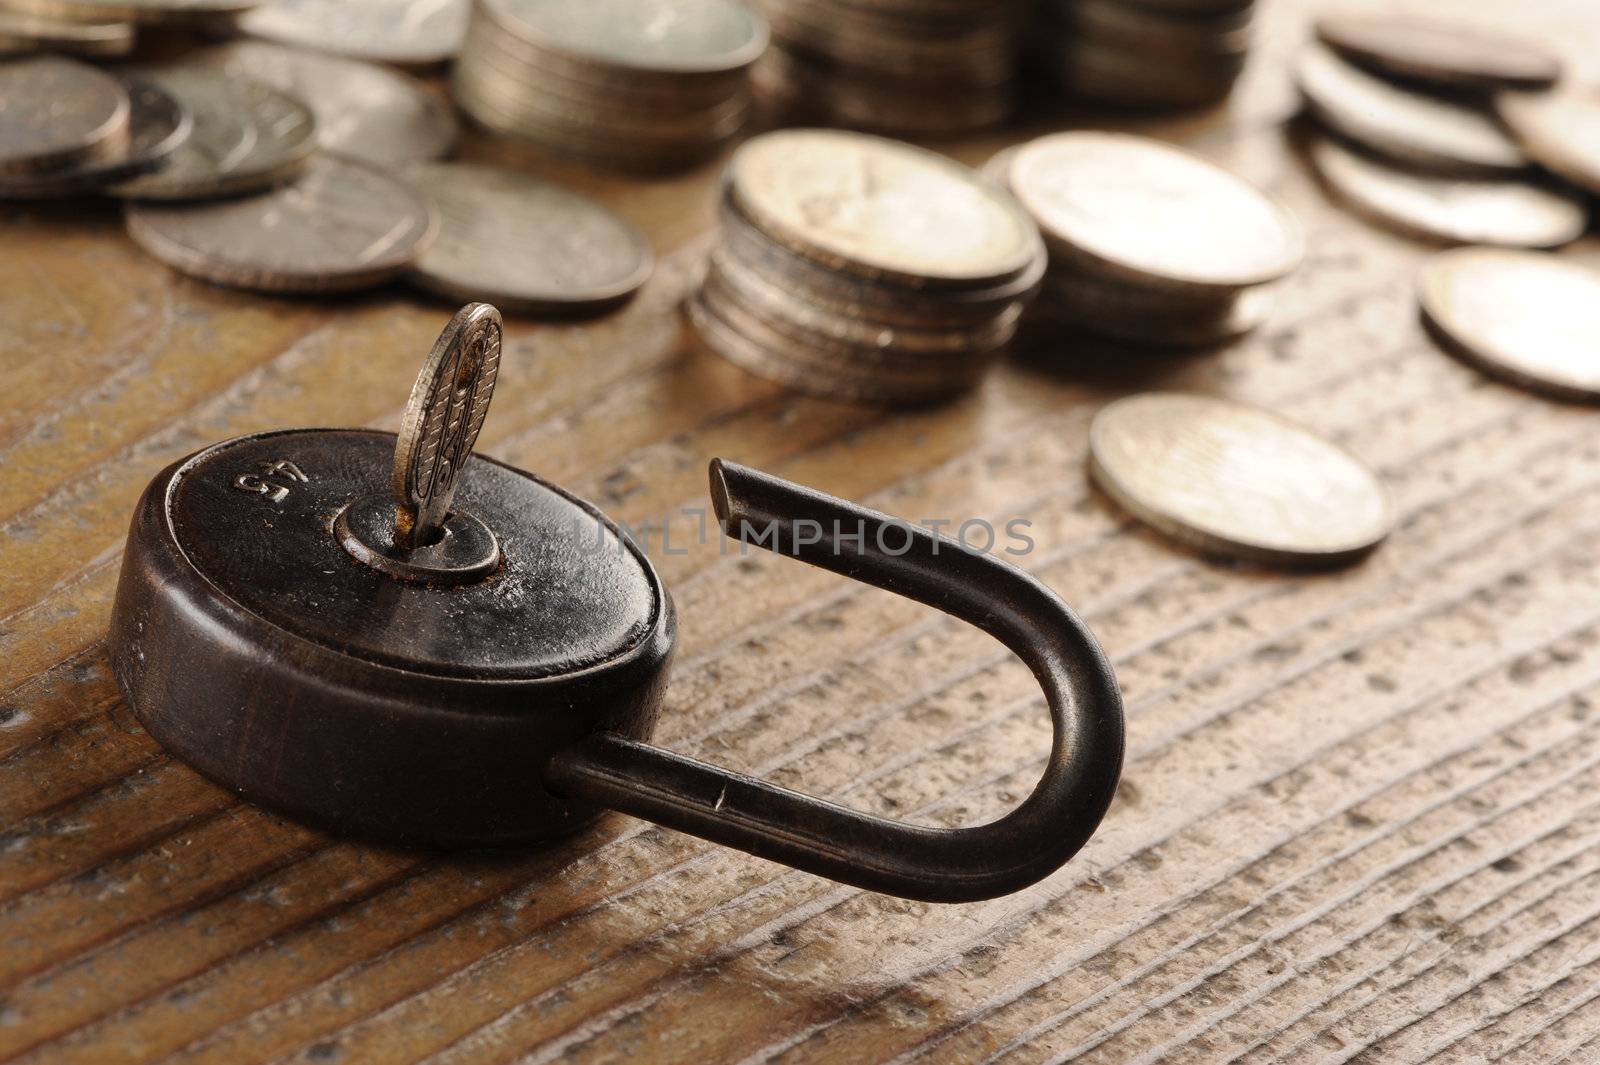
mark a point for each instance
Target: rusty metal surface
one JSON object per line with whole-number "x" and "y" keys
{"x": 1357, "y": 820}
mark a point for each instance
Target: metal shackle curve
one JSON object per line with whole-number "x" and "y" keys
{"x": 912, "y": 861}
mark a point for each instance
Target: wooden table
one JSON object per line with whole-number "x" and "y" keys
{"x": 1358, "y": 819}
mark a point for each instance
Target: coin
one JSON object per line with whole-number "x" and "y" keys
{"x": 1457, "y": 210}
{"x": 448, "y": 404}
{"x": 668, "y": 36}
{"x": 1228, "y": 478}
{"x": 362, "y": 110}
{"x": 55, "y": 112}
{"x": 880, "y": 208}
{"x": 247, "y": 137}
{"x": 526, "y": 244}
{"x": 1439, "y": 51}
{"x": 415, "y": 32}
{"x": 1528, "y": 317}
{"x": 21, "y": 32}
{"x": 1079, "y": 301}
{"x": 1422, "y": 131}
{"x": 341, "y": 225}
{"x": 1560, "y": 129}
{"x": 135, "y": 10}
{"x": 157, "y": 127}
{"x": 1153, "y": 214}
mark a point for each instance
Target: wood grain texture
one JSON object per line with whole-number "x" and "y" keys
{"x": 1359, "y": 820}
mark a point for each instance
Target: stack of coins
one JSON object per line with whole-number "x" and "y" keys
{"x": 634, "y": 84}
{"x": 862, "y": 268}
{"x": 928, "y": 67}
{"x": 1145, "y": 53}
{"x": 1148, "y": 243}
{"x": 1405, "y": 135}
{"x": 67, "y": 128}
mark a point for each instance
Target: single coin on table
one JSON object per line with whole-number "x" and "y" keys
{"x": 1560, "y": 129}
{"x": 1440, "y": 51}
{"x": 362, "y": 110}
{"x": 1529, "y": 317}
{"x": 1153, "y": 214}
{"x": 199, "y": 11}
{"x": 341, "y": 225}
{"x": 22, "y": 33}
{"x": 1457, "y": 210}
{"x": 55, "y": 112}
{"x": 526, "y": 244}
{"x": 881, "y": 209}
{"x": 1413, "y": 128}
{"x": 410, "y": 32}
{"x": 247, "y": 137}
{"x": 1233, "y": 479}
{"x": 158, "y": 126}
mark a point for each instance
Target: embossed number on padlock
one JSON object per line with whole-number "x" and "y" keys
{"x": 459, "y": 661}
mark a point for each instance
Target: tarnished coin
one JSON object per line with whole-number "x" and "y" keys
{"x": 880, "y": 208}
{"x": 135, "y": 10}
{"x": 55, "y": 112}
{"x": 414, "y": 32}
{"x": 20, "y": 32}
{"x": 1439, "y": 51}
{"x": 1232, "y": 479}
{"x": 1528, "y": 317}
{"x": 1560, "y": 129}
{"x": 1423, "y": 131}
{"x": 669, "y": 36}
{"x": 341, "y": 225}
{"x": 247, "y": 137}
{"x": 362, "y": 110}
{"x": 1509, "y": 213}
{"x": 525, "y": 243}
{"x": 157, "y": 127}
{"x": 1153, "y": 214}
{"x": 441, "y": 421}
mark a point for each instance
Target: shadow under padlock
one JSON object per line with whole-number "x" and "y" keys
{"x": 476, "y": 657}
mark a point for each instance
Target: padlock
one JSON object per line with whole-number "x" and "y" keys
{"x": 393, "y": 638}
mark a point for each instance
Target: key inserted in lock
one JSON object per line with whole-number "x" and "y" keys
{"x": 478, "y": 657}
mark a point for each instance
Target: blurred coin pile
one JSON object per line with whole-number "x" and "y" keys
{"x": 1144, "y": 53}
{"x": 637, "y": 84}
{"x": 1148, "y": 243}
{"x": 1434, "y": 128}
{"x": 931, "y": 67}
{"x": 862, "y": 268}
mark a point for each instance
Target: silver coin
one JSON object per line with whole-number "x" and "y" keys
{"x": 881, "y": 208}
{"x": 1097, "y": 306}
{"x": 159, "y": 125}
{"x": 663, "y": 36}
{"x": 55, "y": 112}
{"x": 442, "y": 419}
{"x": 524, "y": 243}
{"x": 1560, "y": 129}
{"x": 135, "y": 10}
{"x": 362, "y": 110}
{"x": 1509, "y": 213}
{"x": 1153, "y": 214}
{"x": 1236, "y": 480}
{"x": 341, "y": 225}
{"x": 247, "y": 137}
{"x": 1528, "y": 317}
{"x": 20, "y": 33}
{"x": 413, "y": 32}
{"x": 1440, "y": 51}
{"x": 1423, "y": 131}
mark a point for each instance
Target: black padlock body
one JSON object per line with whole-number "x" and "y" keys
{"x": 255, "y": 647}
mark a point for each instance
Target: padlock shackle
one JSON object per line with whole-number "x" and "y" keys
{"x": 912, "y": 861}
